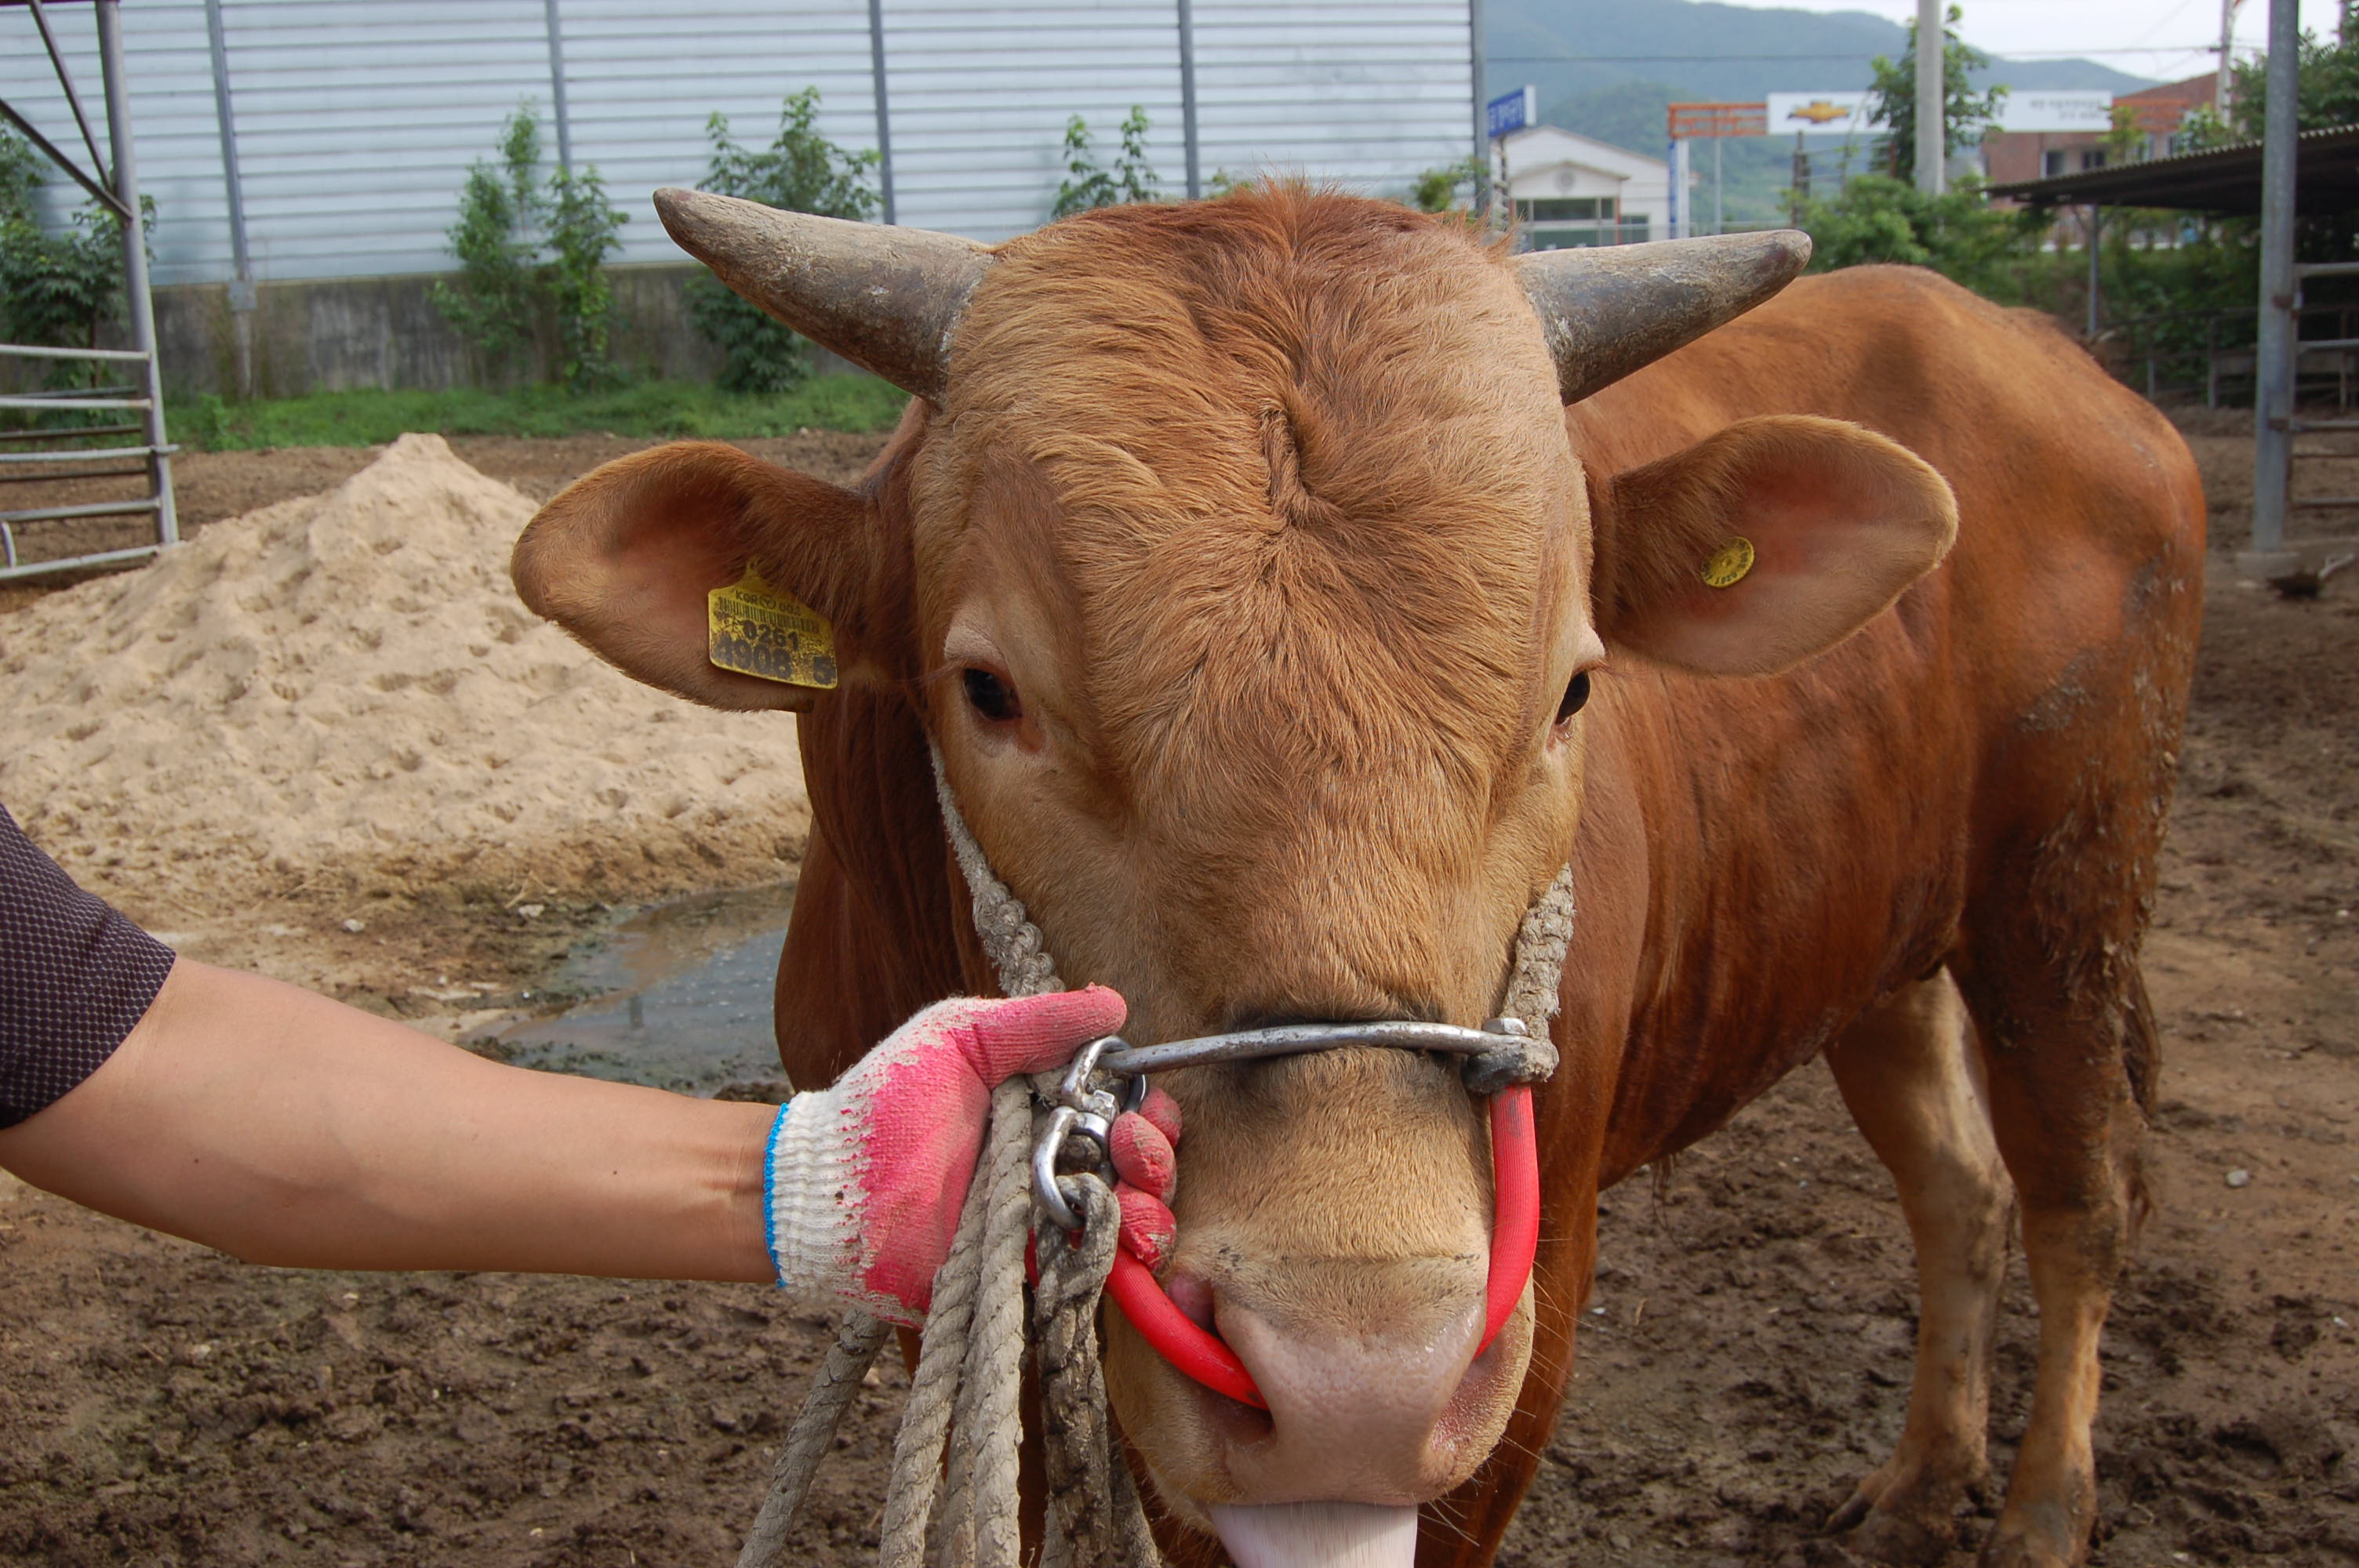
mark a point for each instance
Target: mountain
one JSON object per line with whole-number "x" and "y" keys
{"x": 1576, "y": 50}
{"x": 1608, "y": 69}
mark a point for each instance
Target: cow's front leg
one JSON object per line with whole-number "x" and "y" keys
{"x": 2063, "y": 1083}
{"x": 1908, "y": 1070}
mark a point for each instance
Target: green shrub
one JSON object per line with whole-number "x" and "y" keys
{"x": 574, "y": 278}
{"x": 58, "y": 288}
{"x": 533, "y": 248}
{"x": 1436, "y": 190}
{"x": 800, "y": 171}
{"x": 1087, "y": 184}
{"x": 1876, "y": 218}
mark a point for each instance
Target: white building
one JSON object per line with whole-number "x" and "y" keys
{"x": 352, "y": 122}
{"x": 1573, "y": 190}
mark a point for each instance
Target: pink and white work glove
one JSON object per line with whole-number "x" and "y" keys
{"x": 864, "y": 1179}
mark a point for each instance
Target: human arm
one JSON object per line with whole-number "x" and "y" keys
{"x": 285, "y": 1128}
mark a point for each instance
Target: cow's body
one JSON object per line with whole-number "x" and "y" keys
{"x": 1976, "y": 779}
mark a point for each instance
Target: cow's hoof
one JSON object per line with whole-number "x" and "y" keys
{"x": 1904, "y": 1515}
{"x": 1895, "y": 1540}
{"x": 2036, "y": 1537}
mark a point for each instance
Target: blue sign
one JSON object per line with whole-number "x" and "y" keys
{"x": 1509, "y": 113}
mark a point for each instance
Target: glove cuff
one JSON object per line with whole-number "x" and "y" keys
{"x": 809, "y": 1203}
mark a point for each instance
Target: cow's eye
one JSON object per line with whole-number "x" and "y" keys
{"x": 992, "y": 698}
{"x": 1576, "y": 694}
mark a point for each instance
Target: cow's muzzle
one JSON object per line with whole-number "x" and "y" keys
{"x": 1110, "y": 1075}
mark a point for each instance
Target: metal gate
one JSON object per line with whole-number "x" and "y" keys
{"x": 131, "y": 443}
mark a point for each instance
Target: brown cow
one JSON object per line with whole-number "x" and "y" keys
{"x": 1236, "y": 561}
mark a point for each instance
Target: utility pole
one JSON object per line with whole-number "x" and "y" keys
{"x": 2227, "y": 56}
{"x": 1932, "y": 99}
{"x": 2273, "y": 385}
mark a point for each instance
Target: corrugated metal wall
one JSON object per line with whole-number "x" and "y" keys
{"x": 357, "y": 119}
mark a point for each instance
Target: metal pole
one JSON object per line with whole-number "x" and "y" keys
{"x": 135, "y": 265}
{"x": 1506, "y": 202}
{"x": 1672, "y": 209}
{"x": 1481, "y": 154}
{"x": 2273, "y": 387}
{"x": 1188, "y": 96}
{"x": 556, "y": 88}
{"x": 2096, "y": 230}
{"x": 241, "y": 283}
{"x": 65, "y": 80}
{"x": 884, "y": 115}
{"x": 1932, "y": 106}
{"x": 1715, "y": 183}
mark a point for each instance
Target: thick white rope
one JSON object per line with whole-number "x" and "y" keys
{"x": 965, "y": 1395}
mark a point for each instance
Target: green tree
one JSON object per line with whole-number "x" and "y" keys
{"x": 1877, "y": 218}
{"x": 582, "y": 235}
{"x": 496, "y": 240}
{"x": 1892, "y": 99}
{"x": 533, "y": 248}
{"x": 2328, "y": 77}
{"x": 1436, "y": 190}
{"x": 57, "y": 289}
{"x": 1089, "y": 184}
{"x": 800, "y": 171}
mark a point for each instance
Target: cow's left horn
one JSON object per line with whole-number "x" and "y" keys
{"x": 1608, "y": 310}
{"x": 882, "y": 296}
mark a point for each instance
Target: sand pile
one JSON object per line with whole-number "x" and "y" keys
{"x": 342, "y": 694}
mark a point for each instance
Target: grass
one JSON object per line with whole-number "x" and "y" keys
{"x": 648, "y": 408}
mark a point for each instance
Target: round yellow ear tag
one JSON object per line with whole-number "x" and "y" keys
{"x": 1726, "y": 567}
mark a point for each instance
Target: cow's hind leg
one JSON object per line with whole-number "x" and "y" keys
{"x": 1909, "y": 1073}
{"x": 2068, "y": 1055}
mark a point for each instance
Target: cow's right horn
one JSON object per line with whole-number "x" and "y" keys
{"x": 882, "y": 296}
{"x": 1609, "y": 309}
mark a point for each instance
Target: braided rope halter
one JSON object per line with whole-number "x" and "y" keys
{"x": 965, "y": 1395}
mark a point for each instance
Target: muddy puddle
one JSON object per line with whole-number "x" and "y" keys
{"x": 676, "y": 996}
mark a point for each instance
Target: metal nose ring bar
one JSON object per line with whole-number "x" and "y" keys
{"x": 1087, "y": 1111}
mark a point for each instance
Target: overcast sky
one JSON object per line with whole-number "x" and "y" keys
{"x": 2166, "y": 40}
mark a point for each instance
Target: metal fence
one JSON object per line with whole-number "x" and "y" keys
{"x": 37, "y": 446}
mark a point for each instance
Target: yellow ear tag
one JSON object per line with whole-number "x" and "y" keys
{"x": 755, "y": 629}
{"x": 1726, "y": 567}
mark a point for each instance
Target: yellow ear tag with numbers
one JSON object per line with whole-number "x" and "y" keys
{"x": 757, "y": 630}
{"x": 1726, "y": 567}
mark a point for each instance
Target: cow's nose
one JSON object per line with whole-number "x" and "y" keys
{"x": 1371, "y": 1417}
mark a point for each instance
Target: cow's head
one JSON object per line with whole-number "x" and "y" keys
{"x": 1250, "y": 585}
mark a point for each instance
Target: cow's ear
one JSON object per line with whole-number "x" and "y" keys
{"x": 1765, "y": 544}
{"x": 624, "y": 557}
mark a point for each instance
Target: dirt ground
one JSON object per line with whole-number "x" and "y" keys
{"x": 1744, "y": 1357}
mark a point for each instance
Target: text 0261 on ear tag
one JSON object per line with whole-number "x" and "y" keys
{"x": 755, "y": 629}
{"x": 1726, "y": 567}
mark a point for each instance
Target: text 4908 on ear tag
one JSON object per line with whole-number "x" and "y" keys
{"x": 757, "y": 630}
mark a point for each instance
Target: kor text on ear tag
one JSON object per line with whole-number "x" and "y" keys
{"x": 1726, "y": 567}
{"x": 757, "y": 630}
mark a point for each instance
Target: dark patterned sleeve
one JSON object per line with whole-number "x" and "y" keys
{"x": 74, "y": 977}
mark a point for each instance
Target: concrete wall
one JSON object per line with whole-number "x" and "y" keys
{"x": 332, "y": 334}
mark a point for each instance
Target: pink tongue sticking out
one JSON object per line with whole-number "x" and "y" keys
{"x": 1318, "y": 1535}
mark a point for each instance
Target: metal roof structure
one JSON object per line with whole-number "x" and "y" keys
{"x": 2223, "y": 180}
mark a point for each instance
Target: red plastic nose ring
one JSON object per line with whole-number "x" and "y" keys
{"x": 1514, "y": 1239}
